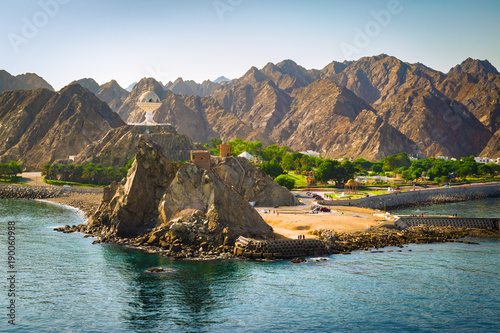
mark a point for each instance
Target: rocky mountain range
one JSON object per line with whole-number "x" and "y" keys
{"x": 451, "y": 114}
{"x": 41, "y": 126}
{"x": 191, "y": 88}
{"x": 368, "y": 108}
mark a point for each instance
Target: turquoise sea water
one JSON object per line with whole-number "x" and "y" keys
{"x": 66, "y": 284}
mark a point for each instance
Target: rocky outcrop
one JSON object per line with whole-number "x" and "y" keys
{"x": 130, "y": 208}
{"x": 41, "y": 126}
{"x": 252, "y": 183}
{"x": 174, "y": 207}
{"x": 119, "y": 145}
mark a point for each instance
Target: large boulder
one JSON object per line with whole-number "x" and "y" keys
{"x": 251, "y": 182}
{"x": 224, "y": 212}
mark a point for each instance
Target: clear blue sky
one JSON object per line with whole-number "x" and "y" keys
{"x": 197, "y": 39}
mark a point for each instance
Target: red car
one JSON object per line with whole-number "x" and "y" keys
{"x": 324, "y": 209}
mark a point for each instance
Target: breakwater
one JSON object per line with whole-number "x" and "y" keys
{"x": 29, "y": 192}
{"x": 448, "y": 221}
{"x": 420, "y": 197}
{"x": 277, "y": 249}
{"x": 40, "y": 192}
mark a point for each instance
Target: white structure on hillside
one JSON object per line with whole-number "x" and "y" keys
{"x": 311, "y": 153}
{"x": 486, "y": 160}
{"x": 149, "y": 102}
{"x": 246, "y": 155}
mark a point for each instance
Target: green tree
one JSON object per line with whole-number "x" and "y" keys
{"x": 214, "y": 143}
{"x": 15, "y": 168}
{"x": 272, "y": 168}
{"x": 328, "y": 170}
{"x": 349, "y": 170}
{"x": 377, "y": 167}
{"x": 286, "y": 181}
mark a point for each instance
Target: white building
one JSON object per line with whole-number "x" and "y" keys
{"x": 485, "y": 160}
{"x": 311, "y": 153}
{"x": 246, "y": 155}
{"x": 148, "y": 102}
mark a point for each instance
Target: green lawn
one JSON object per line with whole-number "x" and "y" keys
{"x": 299, "y": 179}
{"x": 8, "y": 180}
{"x": 61, "y": 183}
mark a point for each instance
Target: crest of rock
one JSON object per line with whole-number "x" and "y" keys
{"x": 252, "y": 183}
{"x": 130, "y": 208}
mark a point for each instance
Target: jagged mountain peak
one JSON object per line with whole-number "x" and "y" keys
{"x": 88, "y": 83}
{"x": 148, "y": 84}
{"x": 474, "y": 66}
{"x": 221, "y": 79}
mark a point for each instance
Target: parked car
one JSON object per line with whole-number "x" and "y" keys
{"x": 324, "y": 209}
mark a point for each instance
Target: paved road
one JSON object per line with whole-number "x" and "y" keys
{"x": 33, "y": 178}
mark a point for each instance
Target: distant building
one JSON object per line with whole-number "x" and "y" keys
{"x": 246, "y": 155}
{"x": 485, "y": 160}
{"x": 201, "y": 158}
{"x": 224, "y": 150}
{"x": 311, "y": 153}
{"x": 446, "y": 158}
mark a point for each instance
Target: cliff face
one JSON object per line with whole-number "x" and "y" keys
{"x": 492, "y": 149}
{"x": 252, "y": 183}
{"x": 119, "y": 145}
{"x": 170, "y": 205}
{"x": 41, "y": 126}
{"x": 28, "y": 81}
{"x": 439, "y": 126}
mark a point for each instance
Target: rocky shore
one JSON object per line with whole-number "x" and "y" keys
{"x": 391, "y": 236}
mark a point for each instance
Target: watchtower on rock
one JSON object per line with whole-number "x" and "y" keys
{"x": 224, "y": 150}
{"x": 201, "y": 158}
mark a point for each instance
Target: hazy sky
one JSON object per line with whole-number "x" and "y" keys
{"x": 64, "y": 40}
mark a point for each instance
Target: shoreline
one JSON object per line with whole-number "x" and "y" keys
{"x": 369, "y": 232}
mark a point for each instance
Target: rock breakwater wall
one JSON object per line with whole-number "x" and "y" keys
{"x": 420, "y": 197}
{"x": 29, "y": 192}
{"x": 447, "y": 221}
{"x": 277, "y": 249}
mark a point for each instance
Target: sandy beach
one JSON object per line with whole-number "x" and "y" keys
{"x": 86, "y": 202}
{"x": 289, "y": 222}
{"x": 292, "y": 223}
